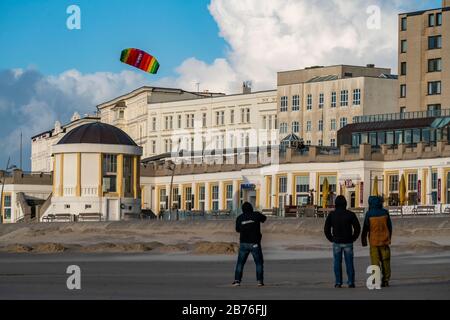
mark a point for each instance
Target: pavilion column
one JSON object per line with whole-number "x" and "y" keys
{"x": 78, "y": 186}
{"x": 120, "y": 175}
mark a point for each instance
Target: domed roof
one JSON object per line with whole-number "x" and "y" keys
{"x": 97, "y": 133}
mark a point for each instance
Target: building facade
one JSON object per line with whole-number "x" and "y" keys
{"x": 424, "y": 59}
{"x": 296, "y": 177}
{"x": 314, "y": 103}
{"x": 24, "y": 194}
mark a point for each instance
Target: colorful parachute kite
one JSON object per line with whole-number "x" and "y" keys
{"x": 140, "y": 59}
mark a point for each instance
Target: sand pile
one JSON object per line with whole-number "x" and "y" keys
{"x": 216, "y": 248}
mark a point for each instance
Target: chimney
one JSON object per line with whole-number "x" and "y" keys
{"x": 247, "y": 87}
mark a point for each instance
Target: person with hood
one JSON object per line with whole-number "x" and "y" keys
{"x": 342, "y": 228}
{"x": 248, "y": 224}
{"x": 378, "y": 225}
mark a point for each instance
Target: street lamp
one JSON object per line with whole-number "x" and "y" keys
{"x": 8, "y": 167}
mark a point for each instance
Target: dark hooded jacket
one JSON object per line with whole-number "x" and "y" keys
{"x": 248, "y": 224}
{"x": 342, "y": 225}
{"x": 377, "y": 224}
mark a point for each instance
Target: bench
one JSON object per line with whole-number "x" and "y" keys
{"x": 290, "y": 211}
{"x": 63, "y": 217}
{"x": 424, "y": 210}
{"x": 323, "y": 212}
{"x": 358, "y": 211}
{"x": 269, "y": 212}
{"x": 89, "y": 217}
{"x": 48, "y": 218}
{"x": 395, "y": 210}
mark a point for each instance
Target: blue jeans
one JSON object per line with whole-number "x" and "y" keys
{"x": 347, "y": 249}
{"x": 244, "y": 251}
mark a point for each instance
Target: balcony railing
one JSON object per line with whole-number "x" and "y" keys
{"x": 402, "y": 116}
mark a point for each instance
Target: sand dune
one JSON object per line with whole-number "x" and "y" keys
{"x": 418, "y": 234}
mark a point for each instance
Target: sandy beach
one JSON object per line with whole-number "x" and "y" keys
{"x": 195, "y": 260}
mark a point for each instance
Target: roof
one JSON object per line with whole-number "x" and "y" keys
{"x": 63, "y": 127}
{"x": 388, "y": 125}
{"x": 323, "y": 78}
{"x": 97, "y": 133}
{"x": 420, "y": 12}
{"x": 291, "y": 137}
{"x": 154, "y": 89}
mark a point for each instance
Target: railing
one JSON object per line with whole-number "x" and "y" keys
{"x": 402, "y": 116}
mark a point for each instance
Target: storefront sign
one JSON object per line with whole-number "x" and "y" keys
{"x": 419, "y": 191}
{"x": 361, "y": 193}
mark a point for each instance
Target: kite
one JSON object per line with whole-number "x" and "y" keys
{"x": 140, "y": 59}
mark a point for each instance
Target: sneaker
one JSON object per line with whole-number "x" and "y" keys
{"x": 260, "y": 284}
{"x": 351, "y": 285}
{"x": 236, "y": 283}
{"x": 338, "y": 286}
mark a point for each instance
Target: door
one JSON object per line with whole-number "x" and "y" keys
{"x": 113, "y": 209}
{"x": 352, "y": 200}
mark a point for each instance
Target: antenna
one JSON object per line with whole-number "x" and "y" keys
{"x": 20, "y": 150}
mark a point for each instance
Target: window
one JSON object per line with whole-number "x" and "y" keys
{"x": 402, "y": 109}
{"x": 264, "y": 122}
{"x": 220, "y": 118}
{"x": 320, "y": 142}
{"x": 7, "y": 207}
{"x": 333, "y": 142}
{"x": 162, "y": 199}
{"x": 321, "y": 100}
{"x": 403, "y": 46}
{"x": 434, "y": 87}
{"x": 153, "y": 146}
{"x": 232, "y": 116}
{"x": 295, "y": 103}
{"x": 229, "y": 196}
{"x": 404, "y": 24}
{"x": 412, "y": 182}
{"x": 153, "y": 124}
{"x": 242, "y": 115}
{"x": 356, "y": 97}
{"x": 403, "y": 69}
{"x": 295, "y": 127}
{"x": 203, "y": 120}
{"x": 308, "y": 126}
{"x": 332, "y": 190}
{"x": 188, "y": 198}
{"x": 434, "y": 110}
{"x": 275, "y": 122}
{"x": 284, "y": 104}
{"x": 434, "y": 65}
{"x": 270, "y": 123}
{"x": 333, "y": 99}
{"x": 189, "y": 120}
{"x": 128, "y": 176}
{"x": 333, "y": 125}
{"x": 439, "y": 19}
{"x": 215, "y": 197}
{"x": 434, "y": 42}
{"x": 344, "y": 98}
{"x": 431, "y": 20}
{"x": 302, "y": 184}
{"x": 343, "y": 122}
{"x": 282, "y": 184}
{"x": 283, "y": 127}
{"x": 121, "y": 114}
{"x": 320, "y": 125}
{"x": 393, "y": 183}
{"x": 248, "y": 115}
{"x": 403, "y": 91}
{"x": 309, "y": 102}
{"x": 166, "y": 123}
{"x": 308, "y": 142}
{"x": 201, "y": 198}
{"x": 434, "y": 187}
{"x": 109, "y": 173}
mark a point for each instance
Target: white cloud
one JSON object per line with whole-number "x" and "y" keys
{"x": 266, "y": 36}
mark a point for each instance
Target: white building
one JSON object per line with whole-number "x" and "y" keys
{"x": 96, "y": 172}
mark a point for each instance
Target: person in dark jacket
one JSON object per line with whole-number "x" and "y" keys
{"x": 248, "y": 224}
{"x": 378, "y": 225}
{"x": 342, "y": 228}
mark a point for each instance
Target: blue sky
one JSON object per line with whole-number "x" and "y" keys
{"x": 48, "y": 72}
{"x": 34, "y": 34}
